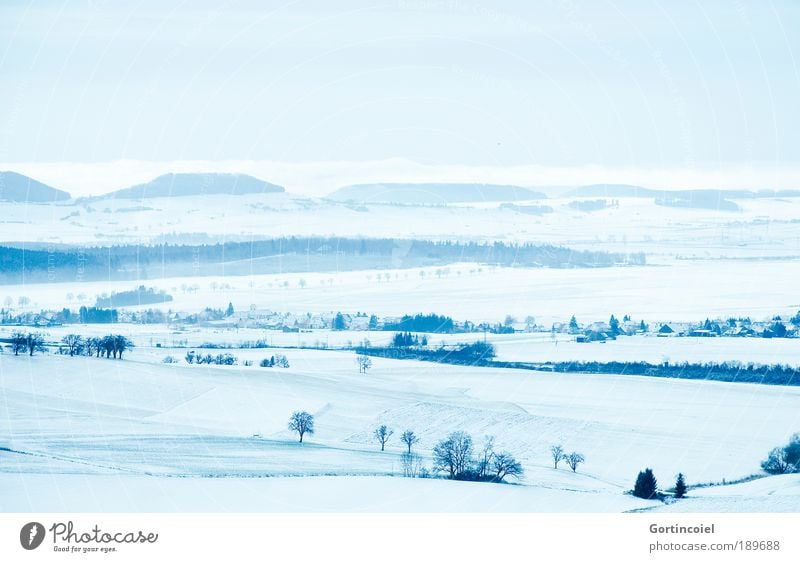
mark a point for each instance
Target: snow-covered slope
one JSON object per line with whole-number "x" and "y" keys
{"x": 775, "y": 494}
{"x": 77, "y": 423}
{"x": 120, "y": 493}
{"x": 22, "y": 189}
{"x": 183, "y": 185}
{"x": 432, "y": 193}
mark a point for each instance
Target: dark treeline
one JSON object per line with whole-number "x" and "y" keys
{"x": 481, "y": 354}
{"x": 731, "y": 371}
{"x": 432, "y": 323}
{"x": 111, "y": 345}
{"x": 93, "y": 315}
{"x": 477, "y": 353}
{"x": 281, "y": 254}
{"x": 407, "y": 339}
{"x": 138, "y": 296}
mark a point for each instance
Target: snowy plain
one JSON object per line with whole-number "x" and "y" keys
{"x": 186, "y": 437}
{"x": 682, "y": 291}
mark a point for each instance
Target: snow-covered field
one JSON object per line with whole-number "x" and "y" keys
{"x": 190, "y": 438}
{"x": 682, "y": 291}
{"x": 763, "y": 227}
{"x": 534, "y": 347}
{"x": 776, "y": 494}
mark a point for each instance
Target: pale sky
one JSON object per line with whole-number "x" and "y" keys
{"x": 673, "y": 91}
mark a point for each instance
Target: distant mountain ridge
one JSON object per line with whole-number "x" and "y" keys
{"x": 184, "y": 185}
{"x": 19, "y": 188}
{"x": 716, "y": 199}
{"x": 432, "y": 193}
{"x": 625, "y": 190}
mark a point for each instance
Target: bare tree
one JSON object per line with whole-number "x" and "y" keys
{"x": 35, "y": 342}
{"x": 558, "y": 455}
{"x": 302, "y": 423}
{"x": 409, "y": 438}
{"x": 95, "y": 345}
{"x": 19, "y": 342}
{"x": 364, "y": 363}
{"x": 504, "y": 464}
{"x": 121, "y": 343}
{"x": 412, "y": 464}
{"x": 574, "y": 459}
{"x": 487, "y": 453}
{"x": 382, "y": 434}
{"x": 453, "y": 454}
{"x": 776, "y": 462}
{"x": 73, "y": 343}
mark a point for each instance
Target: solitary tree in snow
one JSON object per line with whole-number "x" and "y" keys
{"x": 229, "y": 311}
{"x": 574, "y": 459}
{"x": 364, "y": 362}
{"x": 409, "y": 438}
{"x": 680, "y": 486}
{"x": 646, "y": 485}
{"x": 558, "y": 455}
{"x": 382, "y": 434}
{"x": 302, "y": 423}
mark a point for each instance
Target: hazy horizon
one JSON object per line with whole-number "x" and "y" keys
{"x": 316, "y": 179}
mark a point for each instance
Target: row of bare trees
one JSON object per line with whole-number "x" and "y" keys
{"x": 456, "y": 456}
{"x": 110, "y": 346}
{"x": 572, "y": 459}
{"x": 30, "y": 342}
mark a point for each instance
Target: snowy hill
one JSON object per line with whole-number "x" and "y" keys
{"x": 19, "y": 188}
{"x": 716, "y": 199}
{"x": 82, "y": 425}
{"x": 610, "y": 190}
{"x": 182, "y": 185}
{"x": 432, "y": 193}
